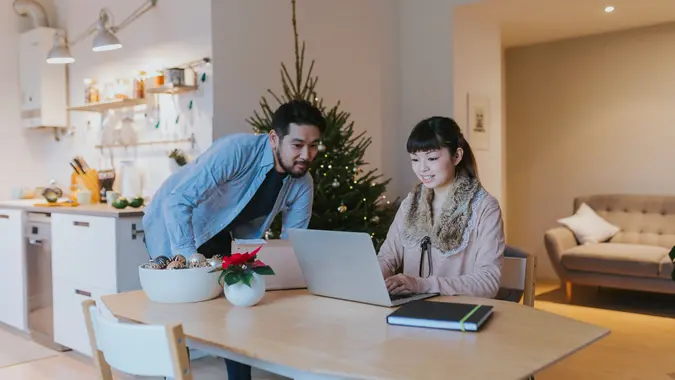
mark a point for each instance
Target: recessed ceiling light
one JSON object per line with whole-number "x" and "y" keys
{"x": 609, "y": 9}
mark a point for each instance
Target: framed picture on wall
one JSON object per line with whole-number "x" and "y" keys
{"x": 478, "y": 125}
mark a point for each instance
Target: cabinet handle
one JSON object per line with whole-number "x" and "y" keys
{"x": 81, "y": 224}
{"x": 83, "y": 293}
{"x": 135, "y": 232}
{"x": 3, "y": 216}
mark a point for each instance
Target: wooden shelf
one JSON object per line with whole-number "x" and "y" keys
{"x": 171, "y": 89}
{"x": 105, "y": 106}
{"x": 191, "y": 140}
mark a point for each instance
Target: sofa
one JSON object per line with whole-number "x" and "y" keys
{"x": 615, "y": 241}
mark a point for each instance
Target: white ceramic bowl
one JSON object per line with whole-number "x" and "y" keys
{"x": 180, "y": 285}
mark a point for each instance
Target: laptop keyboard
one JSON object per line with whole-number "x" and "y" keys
{"x": 396, "y": 297}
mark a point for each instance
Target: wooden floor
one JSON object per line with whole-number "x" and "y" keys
{"x": 640, "y": 347}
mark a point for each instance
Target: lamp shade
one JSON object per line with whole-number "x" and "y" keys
{"x": 59, "y": 53}
{"x": 104, "y": 40}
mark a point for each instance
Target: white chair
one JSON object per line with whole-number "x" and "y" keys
{"x": 142, "y": 350}
{"x": 518, "y": 277}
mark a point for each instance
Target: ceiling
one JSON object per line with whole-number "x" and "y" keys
{"x": 526, "y": 22}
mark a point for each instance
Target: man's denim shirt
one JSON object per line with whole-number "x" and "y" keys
{"x": 205, "y": 195}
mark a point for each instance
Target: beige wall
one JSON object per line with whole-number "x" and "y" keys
{"x": 584, "y": 116}
{"x": 478, "y": 69}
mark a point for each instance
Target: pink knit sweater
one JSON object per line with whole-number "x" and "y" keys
{"x": 472, "y": 266}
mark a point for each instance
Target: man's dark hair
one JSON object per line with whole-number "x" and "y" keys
{"x": 299, "y": 112}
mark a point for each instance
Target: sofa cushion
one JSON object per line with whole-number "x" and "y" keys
{"x": 616, "y": 258}
{"x": 588, "y": 226}
{"x": 666, "y": 268}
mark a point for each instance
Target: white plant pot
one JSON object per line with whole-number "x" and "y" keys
{"x": 240, "y": 294}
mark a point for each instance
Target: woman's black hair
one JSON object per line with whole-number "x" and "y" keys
{"x": 439, "y": 132}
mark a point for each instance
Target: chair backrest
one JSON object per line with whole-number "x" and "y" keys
{"x": 518, "y": 280}
{"x": 142, "y": 350}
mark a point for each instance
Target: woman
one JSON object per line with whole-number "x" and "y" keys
{"x": 447, "y": 236}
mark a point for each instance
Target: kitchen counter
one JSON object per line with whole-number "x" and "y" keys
{"x": 93, "y": 250}
{"x": 101, "y": 209}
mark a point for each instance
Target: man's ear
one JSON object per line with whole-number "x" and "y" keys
{"x": 274, "y": 138}
{"x": 457, "y": 158}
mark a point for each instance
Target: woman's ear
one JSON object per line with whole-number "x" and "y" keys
{"x": 457, "y": 158}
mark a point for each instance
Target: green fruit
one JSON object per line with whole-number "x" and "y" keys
{"x": 136, "y": 202}
{"x": 120, "y": 203}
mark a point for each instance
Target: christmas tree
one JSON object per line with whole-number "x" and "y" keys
{"x": 346, "y": 197}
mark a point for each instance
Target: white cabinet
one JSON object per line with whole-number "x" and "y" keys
{"x": 12, "y": 270}
{"x": 91, "y": 256}
{"x": 43, "y": 85}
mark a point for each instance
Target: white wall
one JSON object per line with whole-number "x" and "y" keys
{"x": 447, "y": 49}
{"x": 426, "y": 56}
{"x": 478, "y": 70}
{"x": 586, "y": 116}
{"x": 24, "y": 154}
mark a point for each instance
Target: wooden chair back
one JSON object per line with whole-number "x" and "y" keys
{"x": 135, "y": 349}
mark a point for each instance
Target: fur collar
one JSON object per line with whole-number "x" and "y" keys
{"x": 458, "y": 208}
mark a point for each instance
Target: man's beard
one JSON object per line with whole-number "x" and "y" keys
{"x": 289, "y": 169}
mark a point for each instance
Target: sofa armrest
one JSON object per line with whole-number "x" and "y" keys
{"x": 558, "y": 240}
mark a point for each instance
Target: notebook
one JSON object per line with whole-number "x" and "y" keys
{"x": 441, "y": 315}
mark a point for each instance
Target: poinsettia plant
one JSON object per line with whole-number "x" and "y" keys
{"x": 239, "y": 267}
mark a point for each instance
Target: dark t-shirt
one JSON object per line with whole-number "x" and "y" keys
{"x": 261, "y": 204}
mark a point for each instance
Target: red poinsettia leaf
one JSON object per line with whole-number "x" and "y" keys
{"x": 239, "y": 258}
{"x": 258, "y": 263}
{"x": 226, "y": 262}
{"x": 255, "y": 251}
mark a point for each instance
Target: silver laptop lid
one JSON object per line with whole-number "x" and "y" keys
{"x": 340, "y": 264}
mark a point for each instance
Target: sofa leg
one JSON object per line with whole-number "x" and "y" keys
{"x": 568, "y": 291}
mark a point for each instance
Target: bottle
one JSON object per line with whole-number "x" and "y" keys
{"x": 94, "y": 93}
{"x": 159, "y": 79}
{"x": 139, "y": 86}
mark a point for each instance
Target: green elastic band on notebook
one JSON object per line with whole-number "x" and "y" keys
{"x": 461, "y": 322}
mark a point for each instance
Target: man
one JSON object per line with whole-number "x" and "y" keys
{"x": 236, "y": 188}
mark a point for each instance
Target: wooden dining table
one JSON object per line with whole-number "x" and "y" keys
{"x": 302, "y": 336}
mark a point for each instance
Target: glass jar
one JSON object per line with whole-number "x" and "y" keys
{"x": 93, "y": 92}
{"x": 87, "y": 91}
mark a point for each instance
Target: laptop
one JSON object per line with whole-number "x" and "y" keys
{"x": 344, "y": 265}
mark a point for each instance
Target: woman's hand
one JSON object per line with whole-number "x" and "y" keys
{"x": 401, "y": 284}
